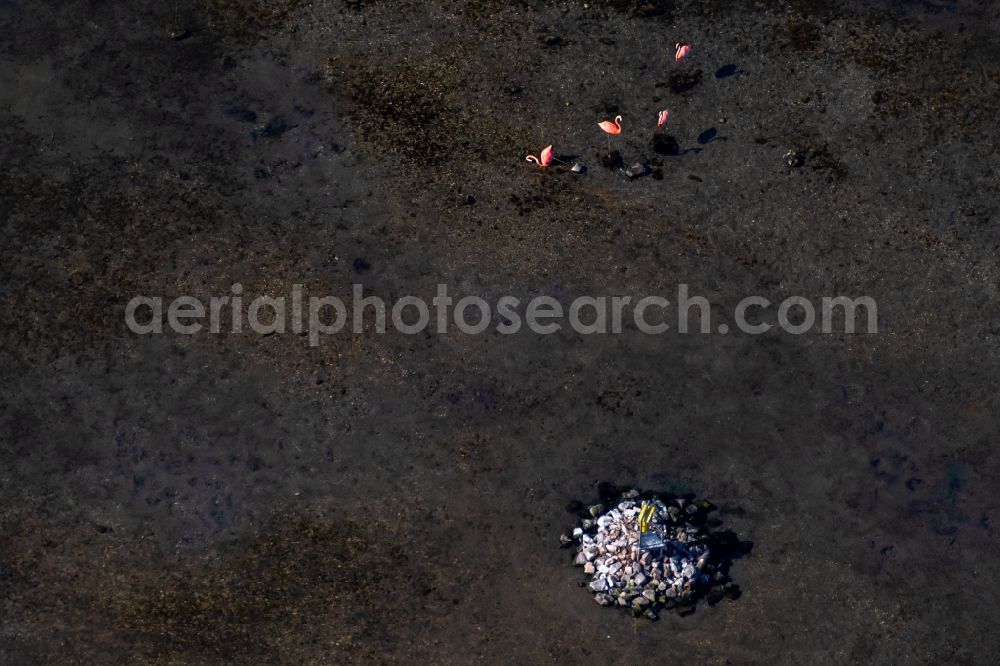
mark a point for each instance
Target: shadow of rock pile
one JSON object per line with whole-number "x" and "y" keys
{"x": 679, "y": 560}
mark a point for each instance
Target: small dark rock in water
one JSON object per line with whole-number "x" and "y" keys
{"x": 276, "y": 126}
{"x": 637, "y": 170}
{"x": 795, "y": 158}
{"x": 259, "y": 173}
{"x": 361, "y": 265}
{"x": 180, "y": 34}
{"x": 612, "y": 160}
{"x": 665, "y": 144}
{"x": 241, "y": 113}
{"x": 553, "y": 40}
{"x": 469, "y": 200}
{"x": 607, "y": 41}
{"x": 658, "y": 173}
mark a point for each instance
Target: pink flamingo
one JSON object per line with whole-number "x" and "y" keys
{"x": 611, "y": 128}
{"x": 683, "y": 51}
{"x": 544, "y": 158}
{"x": 662, "y": 119}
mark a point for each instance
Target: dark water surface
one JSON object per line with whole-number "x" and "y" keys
{"x": 250, "y": 499}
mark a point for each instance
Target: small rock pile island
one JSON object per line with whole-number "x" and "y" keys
{"x": 673, "y": 563}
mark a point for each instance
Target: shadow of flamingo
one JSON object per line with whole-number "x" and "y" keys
{"x": 667, "y": 144}
{"x": 726, "y": 71}
{"x": 710, "y": 135}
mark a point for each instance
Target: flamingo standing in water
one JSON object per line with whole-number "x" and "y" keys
{"x": 611, "y": 128}
{"x": 662, "y": 119}
{"x": 544, "y": 158}
{"x": 683, "y": 51}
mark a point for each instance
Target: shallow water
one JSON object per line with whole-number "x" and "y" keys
{"x": 236, "y": 497}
